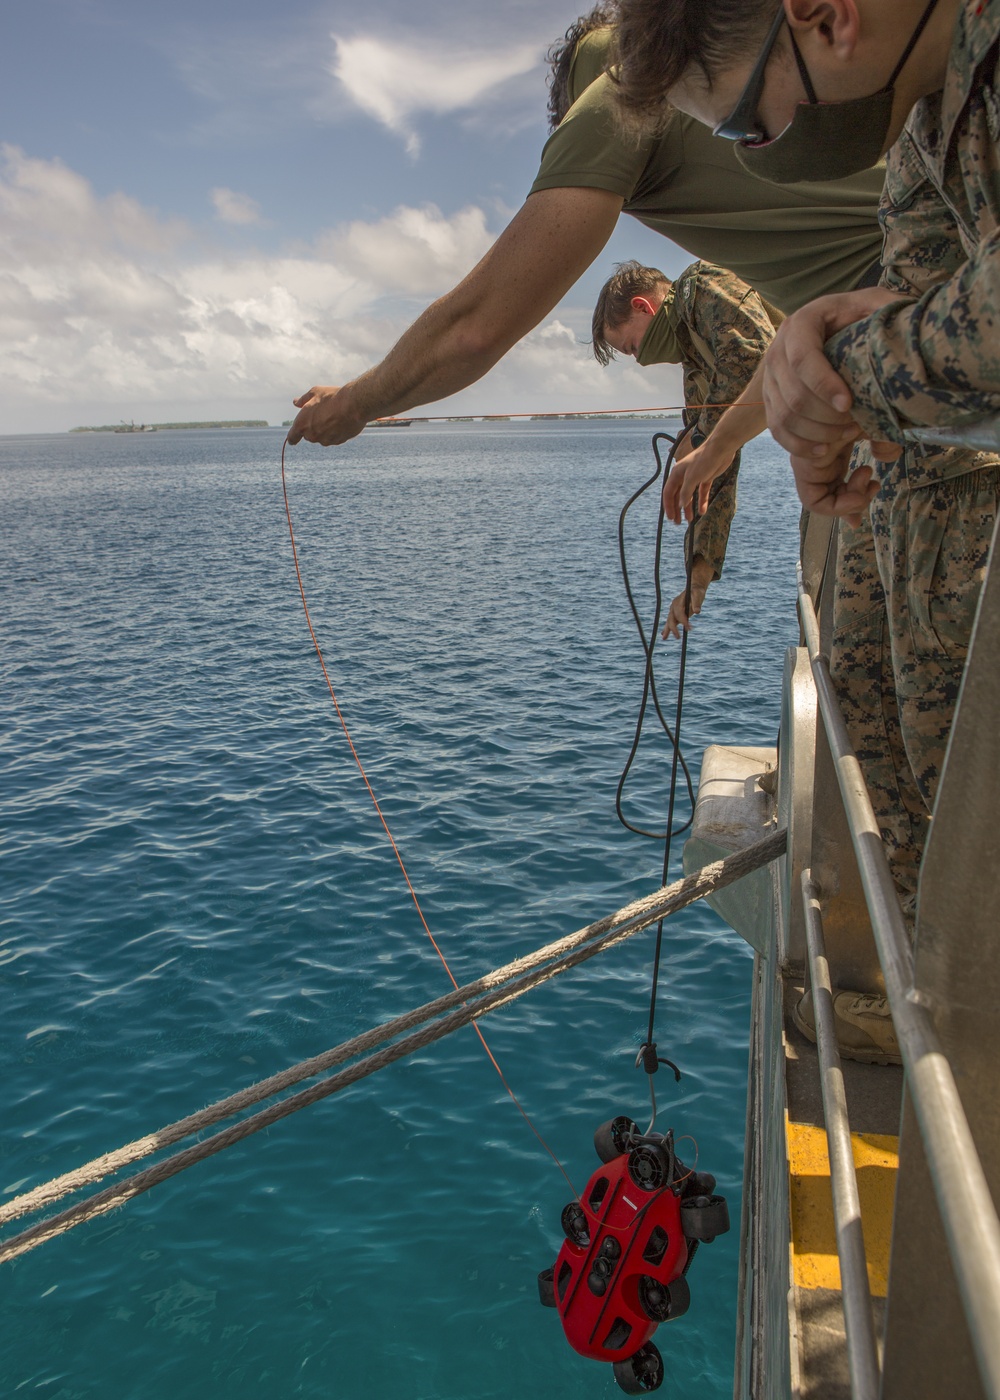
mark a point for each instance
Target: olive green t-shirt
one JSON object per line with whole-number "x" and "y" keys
{"x": 589, "y": 60}
{"x": 790, "y": 242}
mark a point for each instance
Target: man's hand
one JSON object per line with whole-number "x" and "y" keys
{"x": 808, "y": 404}
{"x": 325, "y": 417}
{"x": 678, "y": 616}
{"x": 546, "y": 247}
{"x": 741, "y": 421}
{"x": 694, "y": 473}
{"x": 826, "y": 489}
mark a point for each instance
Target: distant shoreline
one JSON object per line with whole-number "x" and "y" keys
{"x": 487, "y": 419}
{"x": 167, "y": 427}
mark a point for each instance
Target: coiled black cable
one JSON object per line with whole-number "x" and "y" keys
{"x": 649, "y": 679}
{"x": 648, "y": 1057}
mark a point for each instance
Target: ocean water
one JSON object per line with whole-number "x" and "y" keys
{"x": 196, "y": 893}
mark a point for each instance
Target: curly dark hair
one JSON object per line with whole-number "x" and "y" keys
{"x": 560, "y": 57}
{"x": 614, "y": 302}
{"x": 658, "y": 41}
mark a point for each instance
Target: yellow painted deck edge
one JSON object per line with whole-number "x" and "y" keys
{"x": 814, "y": 1241}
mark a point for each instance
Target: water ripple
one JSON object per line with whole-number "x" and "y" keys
{"x": 198, "y": 893}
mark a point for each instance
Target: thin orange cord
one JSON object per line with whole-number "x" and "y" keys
{"x": 385, "y": 825}
{"x": 582, "y": 413}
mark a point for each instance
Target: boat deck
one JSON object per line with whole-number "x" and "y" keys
{"x": 874, "y": 1096}
{"x": 791, "y": 1333}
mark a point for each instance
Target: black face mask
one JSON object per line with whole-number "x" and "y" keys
{"x": 827, "y": 140}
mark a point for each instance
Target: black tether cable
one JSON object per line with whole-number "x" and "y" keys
{"x": 649, "y": 680}
{"x": 648, "y": 1057}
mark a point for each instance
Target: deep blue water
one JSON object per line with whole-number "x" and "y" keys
{"x": 196, "y": 893}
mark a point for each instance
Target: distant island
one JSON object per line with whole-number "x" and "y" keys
{"x": 643, "y": 415}
{"x": 166, "y": 427}
{"x": 640, "y": 416}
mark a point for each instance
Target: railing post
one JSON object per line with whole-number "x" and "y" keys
{"x": 796, "y": 771}
{"x": 960, "y": 1185}
{"x": 859, "y": 1324}
{"x": 854, "y": 963}
{"x": 928, "y": 1351}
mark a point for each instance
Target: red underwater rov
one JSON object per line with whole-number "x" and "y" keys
{"x": 630, "y": 1241}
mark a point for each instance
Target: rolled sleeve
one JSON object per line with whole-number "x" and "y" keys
{"x": 933, "y": 358}
{"x": 589, "y": 149}
{"x": 934, "y": 361}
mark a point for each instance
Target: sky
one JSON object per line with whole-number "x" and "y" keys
{"x": 207, "y": 207}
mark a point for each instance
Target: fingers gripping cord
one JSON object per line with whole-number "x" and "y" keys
{"x": 648, "y": 1058}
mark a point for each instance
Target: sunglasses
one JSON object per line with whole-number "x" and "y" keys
{"x": 742, "y": 123}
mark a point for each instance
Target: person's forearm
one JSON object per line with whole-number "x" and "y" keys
{"x": 686, "y": 605}
{"x": 907, "y": 364}
{"x": 695, "y": 468}
{"x": 439, "y": 355}
{"x": 552, "y": 240}
{"x": 743, "y": 420}
{"x": 702, "y": 572}
{"x": 809, "y": 409}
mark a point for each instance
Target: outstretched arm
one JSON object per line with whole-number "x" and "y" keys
{"x": 740, "y": 422}
{"x": 553, "y": 238}
{"x": 735, "y": 326}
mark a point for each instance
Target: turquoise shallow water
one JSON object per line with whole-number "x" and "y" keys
{"x": 196, "y": 893}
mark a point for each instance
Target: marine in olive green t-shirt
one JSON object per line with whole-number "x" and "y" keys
{"x": 790, "y": 242}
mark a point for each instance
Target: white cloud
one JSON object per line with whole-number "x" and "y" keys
{"x": 395, "y": 82}
{"x": 43, "y": 203}
{"x": 234, "y": 208}
{"x": 105, "y": 302}
{"x": 419, "y": 252}
{"x": 109, "y": 311}
{"x": 553, "y": 370}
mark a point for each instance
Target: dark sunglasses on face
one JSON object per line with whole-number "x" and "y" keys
{"x": 742, "y": 123}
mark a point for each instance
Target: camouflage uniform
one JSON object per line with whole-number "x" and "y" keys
{"x": 723, "y": 330}
{"x": 907, "y": 591}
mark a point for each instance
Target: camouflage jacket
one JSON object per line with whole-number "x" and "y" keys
{"x": 723, "y": 331}
{"x": 936, "y": 359}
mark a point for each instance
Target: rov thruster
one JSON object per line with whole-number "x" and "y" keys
{"x": 630, "y": 1240}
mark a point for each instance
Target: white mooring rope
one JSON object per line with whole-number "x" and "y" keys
{"x": 485, "y": 994}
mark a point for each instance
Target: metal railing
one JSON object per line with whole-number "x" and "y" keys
{"x": 983, "y": 435}
{"x": 963, "y": 1195}
{"x": 859, "y": 1324}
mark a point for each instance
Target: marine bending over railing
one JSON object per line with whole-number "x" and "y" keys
{"x": 960, "y": 1183}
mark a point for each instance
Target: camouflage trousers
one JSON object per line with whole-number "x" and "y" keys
{"x": 907, "y": 584}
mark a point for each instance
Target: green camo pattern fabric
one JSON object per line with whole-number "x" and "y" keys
{"x": 719, "y": 329}
{"x": 936, "y": 359}
{"x": 909, "y": 582}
